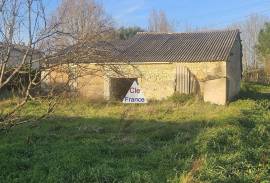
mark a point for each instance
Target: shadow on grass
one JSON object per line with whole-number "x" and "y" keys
{"x": 78, "y": 149}
{"x": 98, "y": 150}
{"x": 254, "y": 91}
{"x": 254, "y": 95}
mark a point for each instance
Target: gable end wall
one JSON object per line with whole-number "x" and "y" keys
{"x": 234, "y": 70}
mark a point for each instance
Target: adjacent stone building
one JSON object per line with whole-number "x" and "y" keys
{"x": 18, "y": 56}
{"x": 205, "y": 63}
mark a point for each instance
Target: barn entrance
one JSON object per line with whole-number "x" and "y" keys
{"x": 120, "y": 86}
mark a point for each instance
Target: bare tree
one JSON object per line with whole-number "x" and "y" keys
{"x": 24, "y": 31}
{"x": 33, "y": 47}
{"x": 158, "y": 22}
{"x": 81, "y": 20}
{"x": 22, "y": 28}
{"x": 250, "y": 29}
{"x": 86, "y": 35}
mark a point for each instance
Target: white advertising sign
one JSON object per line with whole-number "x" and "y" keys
{"x": 134, "y": 95}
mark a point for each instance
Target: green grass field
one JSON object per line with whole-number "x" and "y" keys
{"x": 177, "y": 140}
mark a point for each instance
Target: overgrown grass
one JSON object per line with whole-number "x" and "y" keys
{"x": 170, "y": 141}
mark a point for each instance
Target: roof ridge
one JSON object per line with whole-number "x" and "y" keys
{"x": 194, "y": 32}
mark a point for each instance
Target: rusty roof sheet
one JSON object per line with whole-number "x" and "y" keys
{"x": 177, "y": 47}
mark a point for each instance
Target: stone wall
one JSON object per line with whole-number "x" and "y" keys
{"x": 57, "y": 75}
{"x": 88, "y": 80}
{"x": 215, "y": 91}
{"x": 204, "y": 71}
{"x": 157, "y": 80}
{"x": 91, "y": 85}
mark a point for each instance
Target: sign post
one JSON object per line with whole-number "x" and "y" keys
{"x": 134, "y": 95}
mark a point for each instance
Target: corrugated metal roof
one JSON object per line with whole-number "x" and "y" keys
{"x": 177, "y": 47}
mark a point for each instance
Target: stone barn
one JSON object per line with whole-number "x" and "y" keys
{"x": 205, "y": 63}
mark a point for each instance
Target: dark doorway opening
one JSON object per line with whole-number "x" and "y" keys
{"x": 120, "y": 87}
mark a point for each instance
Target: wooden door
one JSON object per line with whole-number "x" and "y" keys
{"x": 185, "y": 81}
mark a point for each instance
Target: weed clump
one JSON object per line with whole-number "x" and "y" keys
{"x": 182, "y": 98}
{"x": 219, "y": 140}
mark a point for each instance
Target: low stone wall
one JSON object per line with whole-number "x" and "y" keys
{"x": 215, "y": 91}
